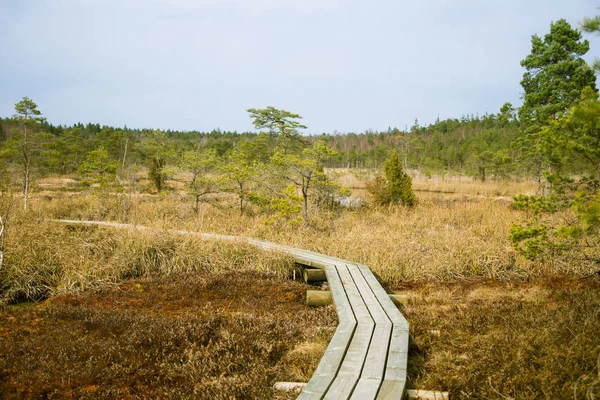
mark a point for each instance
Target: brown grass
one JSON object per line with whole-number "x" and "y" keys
{"x": 506, "y": 341}
{"x": 510, "y": 328}
{"x": 202, "y": 335}
{"x": 44, "y": 259}
{"x": 446, "y": 237}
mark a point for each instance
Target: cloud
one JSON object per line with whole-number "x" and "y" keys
{"x": 197, "y": 64}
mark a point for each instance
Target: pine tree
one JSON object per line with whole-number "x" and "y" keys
{"x": 555, "y": 74}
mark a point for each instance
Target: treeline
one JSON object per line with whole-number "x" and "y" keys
{"x": 477, "y": 146}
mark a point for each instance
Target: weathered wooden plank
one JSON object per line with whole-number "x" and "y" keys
{"x": 376, "y": 358}
{"x": 351, "y": 367}
{"x": 387, "y": 304}
{"x": 427, "y": 395}
{"x": 359, "y": 307}
{"x": 341, "y": 299}
{"x": 394, "y": 383}
{"x": 342, "y": 386}
{"x": 336, "y": 350}
{"x": 397, "y": 353}
{"x": 375, "y": 361}
{"x": 289, "y": 386}
{"x": 392, "y": 390}
{"x": 366, "y": 389}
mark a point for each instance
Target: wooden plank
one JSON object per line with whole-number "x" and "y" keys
{"x": 376, "y": 359}
{"x": 328, "y": 368}
{"x": 341, "y": 300}
{"x": 366, "y": 389}
{"x": 391, "y": 310}
{"x": 335, "y": 353}
{"x": 375, "y": 362}
{"x": 427, "y": 395}
{"x": 351, "y": 367}
{"x": 289, "y": 386}
{"x": 392, "y": 390}
{"x": 397, "y": 354}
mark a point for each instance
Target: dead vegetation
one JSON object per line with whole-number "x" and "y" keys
{"x": 508, "y": 327}
{"x": 445, "y": 237}
{"x": 45, "y": 258}
{"x": 201, "y": 335}
{"x": 506, "y": 341}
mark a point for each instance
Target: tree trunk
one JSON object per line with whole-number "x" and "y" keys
{"x": 241, "y": 198}
{"x": 26, "y": 169}
{"x": 26, "y": 186}
{"x": 305, "y": 200}
{"x": 125, "y": 152}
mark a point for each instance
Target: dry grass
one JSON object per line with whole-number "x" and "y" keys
{"x": 511, "y": 328}
{"x": 467, "y": 185}
{"x": 446, "y": 237}
{"x": 447, "y": 183}
{"x": 44, "y": 259}
{"x": 506, "y": 341}
{"x": 202, "y": 335}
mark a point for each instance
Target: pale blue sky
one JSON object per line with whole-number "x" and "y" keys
{"x": 199, "y": 64}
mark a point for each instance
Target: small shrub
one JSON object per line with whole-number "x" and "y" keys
{"x": 394, "y": 186}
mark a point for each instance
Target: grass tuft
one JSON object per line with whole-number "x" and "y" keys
{"x": 44, "y": 259}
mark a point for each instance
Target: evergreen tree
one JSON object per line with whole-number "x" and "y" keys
{"x": 592, "y": 25}
{"x": 25, "y": 145}
{"x": 576, "y": 138}
{"x": 280, "y": 123}
{"x": 555, "y": 74}
{"x": 99, "y": 168}
{"x": 158, "y": 151}
{"x": 394, "y": 186}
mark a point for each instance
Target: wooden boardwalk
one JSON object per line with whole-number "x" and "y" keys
{"x": 367, "y": 356}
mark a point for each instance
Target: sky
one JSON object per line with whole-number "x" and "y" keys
{"x": 343, "y": 65}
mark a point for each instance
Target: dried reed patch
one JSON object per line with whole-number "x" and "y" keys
{"x": 44, "y": 258}
{"x": 445, "y": 237}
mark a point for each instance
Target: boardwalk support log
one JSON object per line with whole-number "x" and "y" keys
{"x": 289, "y": 386}
{"x": 426, "y": 395}
{"x": 319, "y": 298}
{"x": 314, "y": 275}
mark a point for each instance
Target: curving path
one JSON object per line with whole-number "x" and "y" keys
{"x": 367, "y": 356}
